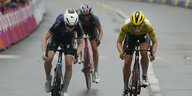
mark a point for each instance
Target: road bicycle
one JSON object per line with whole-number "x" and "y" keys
{"x": 88, "y": 65}
{"x": 57, "y": 80}
{"x": 135, "y": 81}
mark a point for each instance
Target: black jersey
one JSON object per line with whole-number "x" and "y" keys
{"x": 59, "y": 32}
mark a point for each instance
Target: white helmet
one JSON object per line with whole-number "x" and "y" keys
{"x": 70, "y": 17}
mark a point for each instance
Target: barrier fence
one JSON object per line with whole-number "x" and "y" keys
{"x": 183, "y": 3}
{"x": 16, "y": 23}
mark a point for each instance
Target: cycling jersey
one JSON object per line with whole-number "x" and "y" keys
{"x": 63, "y": 37}
{"x": 128, "y": 28}
{"x": 60, "y": 33}
{"x": 90, "y": 27}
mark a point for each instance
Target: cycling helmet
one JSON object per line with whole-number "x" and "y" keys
{"x": 137, "y": 17}
{"x": 85, "y": 9}
{"x": 70, "y": 17}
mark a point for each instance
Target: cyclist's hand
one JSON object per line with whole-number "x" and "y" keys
{"x": 76, "y": 59}
{"x": 44, "y": 57}
{"x": 98, "y": 41}
{"x": 121, "y": 55}
{"x": 152, "y": 58}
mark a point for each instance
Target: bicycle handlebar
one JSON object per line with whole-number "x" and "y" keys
{"x": 150, "y": 50}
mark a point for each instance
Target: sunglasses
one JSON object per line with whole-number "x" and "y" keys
{"x": 138, "y": 26}
{"x": 70, "y": 26}
{"x": 86, "y": 15}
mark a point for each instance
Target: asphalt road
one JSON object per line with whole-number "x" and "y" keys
{"x": 21, "y": 67}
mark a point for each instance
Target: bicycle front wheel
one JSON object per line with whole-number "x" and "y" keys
{"x": 87, "y": 69}
{"x": 57, "y": 82}
{"x": 136, "y": 79}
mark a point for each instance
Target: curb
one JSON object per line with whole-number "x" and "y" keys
{"x": 181, "y": 3}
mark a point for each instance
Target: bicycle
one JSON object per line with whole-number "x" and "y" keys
{"x": 57, "y": 80}
{"x": 135, "y": 81}
{"x": 87, "y": 64}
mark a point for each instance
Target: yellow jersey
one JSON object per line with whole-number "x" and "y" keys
{"x": 128, "y": 28}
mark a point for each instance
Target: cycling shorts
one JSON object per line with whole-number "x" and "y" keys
{"x": 67, "y": 47}
{"x": 131, "y": 40}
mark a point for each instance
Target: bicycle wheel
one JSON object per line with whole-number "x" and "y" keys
{"x": 135, "y": 83}
{"x": 87, "y": 72}
{"x": 57, "y": 82}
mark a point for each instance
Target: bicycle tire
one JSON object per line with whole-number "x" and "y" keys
{"x": 87, "y": 72}
{"x": 135, "y": 91}
{"x": 57, "y": 82}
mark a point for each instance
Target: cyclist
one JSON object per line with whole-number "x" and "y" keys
{"x": 136, "y": 28}
{"x": 62, "y": 34}
{"x": 90, "y": 24}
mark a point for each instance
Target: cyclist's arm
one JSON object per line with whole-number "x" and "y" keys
{"x": 79, "y": 33}
{"x": 154, "y": 40}
{"x": 80, "y": 45}
{"x": 100, "y": 31}
{"x": 151, "y": 35}
{"x": 44, "y": 41}
{"x": 119, "y": 45}
{"x": 98, "y": 25}
{"x": 120, "y": 40}
{"x": 154, "y": 46}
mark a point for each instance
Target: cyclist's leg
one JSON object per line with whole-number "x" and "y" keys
{"x": 95, "y": 60}
{"x": 95, "y": 54}
{"x": 47, "y": 67}
{"x": 93, "y": 34}
{"x": 94, "y": 47}
{"x": 144, "y": 57}
{"x": 128, "y": 59}
{"x": 48, "y": 64}
{"x": 127, "y": 70}
{"x": 69, "y": 57}
{"x": 68, "y": 71}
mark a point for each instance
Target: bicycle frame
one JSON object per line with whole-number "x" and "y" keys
{"x": 59, "y": 63}
{"x": 135, "y": 82}
{"x": 60, "y": 77}
{"x": 86, "y": 46}
{"x": 87, "y": 64}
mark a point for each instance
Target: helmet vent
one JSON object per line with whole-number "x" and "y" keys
{"x": 141, "y": 18}
{"x": 75, "y": 20}
{"x": 68, "y": 21}
{"x": 71, "y": 11}
{"x": 137, "y": 16}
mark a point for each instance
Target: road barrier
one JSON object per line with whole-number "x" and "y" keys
{"x": 17, "y": 23}
{"x": 183, "y": 3}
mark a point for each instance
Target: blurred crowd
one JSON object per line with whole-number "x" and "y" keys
{"x": 10, "y": 3}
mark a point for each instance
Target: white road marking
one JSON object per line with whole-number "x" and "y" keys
{"x": 188, "y": 58}
{"x": 154, "y": 82}
{"x": 10, "y": 56}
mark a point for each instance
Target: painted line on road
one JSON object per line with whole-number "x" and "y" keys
{"x": 188, "y": 58}
{"x": 119, "y": 12}
{"x": 10, "y": 56}
{"x": 154, "y": 89}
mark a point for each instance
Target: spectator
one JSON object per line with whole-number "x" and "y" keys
{"x": 13, "y": 4}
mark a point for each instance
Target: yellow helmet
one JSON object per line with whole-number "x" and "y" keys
{"x": 137, "y": 17}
